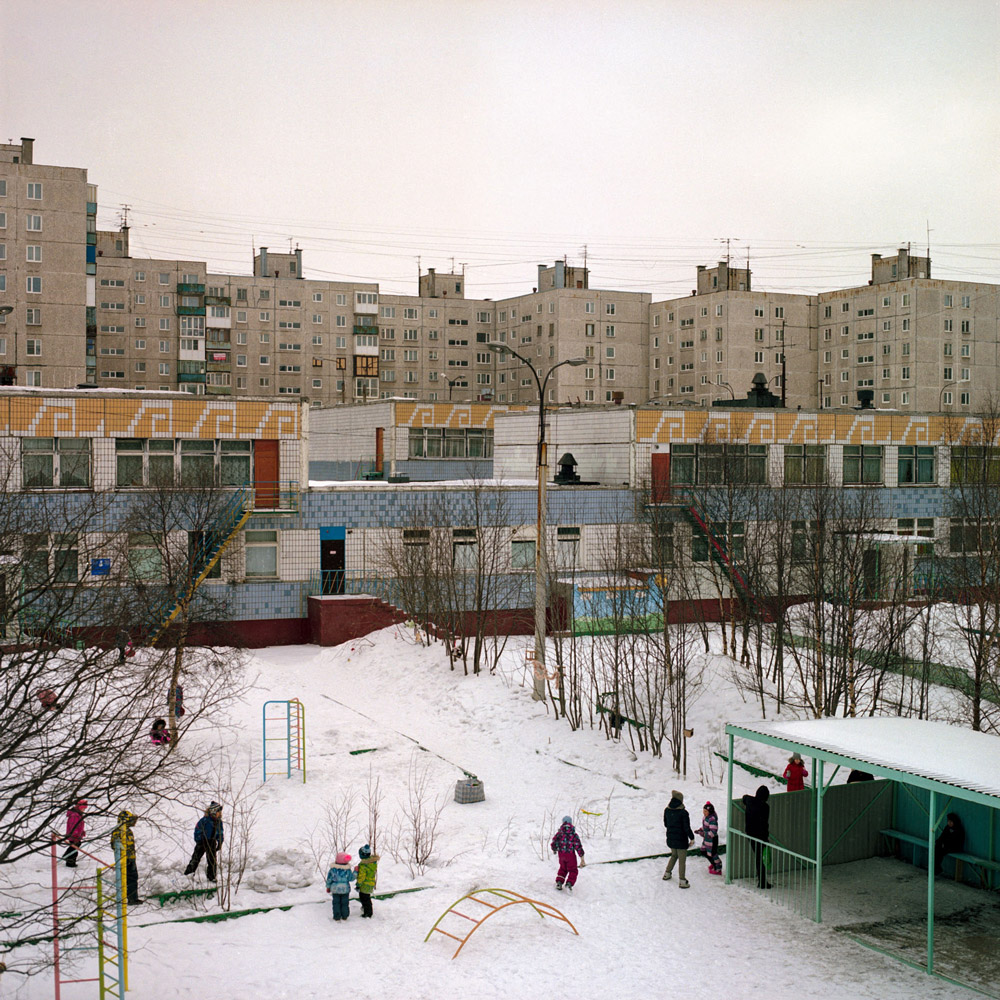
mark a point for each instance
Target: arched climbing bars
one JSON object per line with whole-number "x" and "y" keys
{"x": 480, "y": 896}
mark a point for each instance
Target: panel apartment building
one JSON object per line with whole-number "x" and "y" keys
{"x": 76, "y": 308}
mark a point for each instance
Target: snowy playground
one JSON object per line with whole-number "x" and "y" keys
{"x": 388, "y": 729}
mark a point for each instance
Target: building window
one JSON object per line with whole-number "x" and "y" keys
{"x": 522, "y": 555}
{"x": 730, "y": 536}
{"x": 34, "y": 224}
{"x": 55, "y": 462}
{"x": 975, "y": 464}
{"x": 262, "y": 554}
{"x": 33, "y": 348}
{"x": 712, "y": 464}
{"x": 33, "y": 317}
{"x": 145, "y": 561}
{"x": 862, "y": 464}
{"x": 915, "y": 465}
{"x": 805, "y": 464}
{"x": 464, "y": 549}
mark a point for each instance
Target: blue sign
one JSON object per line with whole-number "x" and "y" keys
{"x": 100, "y": 567}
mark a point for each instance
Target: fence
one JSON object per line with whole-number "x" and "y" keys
{"x": 789, "y": 879}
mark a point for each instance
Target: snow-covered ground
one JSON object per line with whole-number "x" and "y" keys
{"x": 638, "y": 935}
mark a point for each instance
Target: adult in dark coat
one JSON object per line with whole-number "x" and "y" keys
{"x": 208, "y": 834}
{"x": 952, "y": 839}
{"x": 758, "y": 826}
{"x": 679, "y": 837}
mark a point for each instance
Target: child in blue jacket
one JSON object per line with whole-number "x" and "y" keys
{"x": 338, "y": 884}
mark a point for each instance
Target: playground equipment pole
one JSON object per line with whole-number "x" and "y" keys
{"x": 55, "y": 914}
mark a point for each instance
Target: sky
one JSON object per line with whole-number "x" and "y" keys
{"x": 651, "y": 136}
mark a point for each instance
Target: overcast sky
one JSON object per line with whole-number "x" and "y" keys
{"x": 506, "y": 134}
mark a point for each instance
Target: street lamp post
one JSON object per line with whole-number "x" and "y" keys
{"x": 947, "y": 385}
{"x": 541, "y": 555}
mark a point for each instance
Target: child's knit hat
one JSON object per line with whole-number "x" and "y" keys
{"x": 343, "y": 859}
{"x": 568, "y": 819}
{"x": 365, "y": 852}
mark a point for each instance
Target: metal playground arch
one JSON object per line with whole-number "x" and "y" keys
{"x": 509, "y": 898}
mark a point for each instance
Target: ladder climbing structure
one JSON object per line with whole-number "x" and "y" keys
{"x": 107, "y": 909}
{"x": 284, "y": 735}
{"x": 490, "y": 902}
{"x": 205, "y": 554}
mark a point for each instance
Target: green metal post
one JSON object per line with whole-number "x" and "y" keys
{"x": 819, "y": 840}
{"x": 931, "y": 821}
{"x": 729, "y": 809}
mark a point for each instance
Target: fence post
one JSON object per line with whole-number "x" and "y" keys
{"x": 931, "y": 865}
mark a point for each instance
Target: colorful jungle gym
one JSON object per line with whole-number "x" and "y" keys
{"x": 106, "y": 907}
{"x": 480, "y": 896}
{"x": 284, "y": 735}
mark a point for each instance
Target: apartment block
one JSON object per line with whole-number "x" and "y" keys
{"x": 705, "y": 347}
{"x": 47, "y": 222}
{"x": 918, "y": 344}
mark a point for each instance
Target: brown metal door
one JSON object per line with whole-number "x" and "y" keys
{"x": 266, "y": 474}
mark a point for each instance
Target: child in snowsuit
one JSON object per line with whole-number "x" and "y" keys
{"x": 208, "y": 837}
{"x": 338, "y": 884}
{"x": 74, "y": 831}
{"x": 158, "y": 735}
{"x": 679, "y": 837}
{"x": 709, "y": 832}
{"x": 367, "y": 872}
{"x": 566, "y": 844}
{"x": 122, "y": 835}
{"x": 795, "y": 773}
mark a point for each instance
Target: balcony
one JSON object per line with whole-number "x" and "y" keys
{"x": 369, "y": 330}
{"x": 190, "y": 310}
{"x": 190, "y": 377}
{"x": 187, "y": 288}
{"x": 218, "y": 300}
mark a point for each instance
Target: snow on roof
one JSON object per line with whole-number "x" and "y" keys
{"x": 933, "y": 750}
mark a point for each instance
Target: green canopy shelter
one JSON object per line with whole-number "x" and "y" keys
{"x": 920, "y": 771}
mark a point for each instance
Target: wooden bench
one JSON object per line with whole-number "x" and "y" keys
{"x": 983, "y": 865}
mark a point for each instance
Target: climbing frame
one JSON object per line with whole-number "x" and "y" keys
{"x": 490, "y": 906}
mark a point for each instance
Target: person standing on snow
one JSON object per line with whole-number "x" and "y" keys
{"x": 566, "y": 844}
{"x": 679, "y": 837}
{"x": 709, "y": 831}
{"x": 208, "y": 836}
{"x": 338, "y": 884}
{"x": 795, "y": 773}
{"x": 758, "y": 826}
{"x": 74, "y": 831}
{"x": 367, "y": 872}
{"x": 122, "y": 835}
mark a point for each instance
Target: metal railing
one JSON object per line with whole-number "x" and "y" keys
{"x": 787, "y": 878}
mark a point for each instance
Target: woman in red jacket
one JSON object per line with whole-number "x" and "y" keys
{"x": 795, "y": 773}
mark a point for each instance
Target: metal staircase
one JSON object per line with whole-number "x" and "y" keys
{"x": 204, "y": 556}
{"x": 717, "y": 549}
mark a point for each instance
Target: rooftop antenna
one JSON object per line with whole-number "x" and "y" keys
{"x": 585, "y": 256}
{"x": 289, "y": 244}
{"x": 418, "y": 274}
{"x": 928, "y": 242}
{"x": 124, "y": 216}
{"x": 452, "y": 265}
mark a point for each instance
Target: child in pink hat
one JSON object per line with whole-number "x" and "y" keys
{"x": 338, "y": 884}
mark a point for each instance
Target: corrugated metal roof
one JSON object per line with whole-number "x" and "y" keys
{"x": 935, "y": 751}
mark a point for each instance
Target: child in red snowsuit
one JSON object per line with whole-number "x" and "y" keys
{"x": 567, "y": 845}
{"x": 795, "y": 773}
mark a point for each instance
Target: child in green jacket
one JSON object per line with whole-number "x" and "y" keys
{"x": 367, "y": 871}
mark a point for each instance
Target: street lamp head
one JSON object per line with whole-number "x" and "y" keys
{"x": 576, "y": 362}
{"x": 495, "y": 348}
{"x": 6, "y": 310}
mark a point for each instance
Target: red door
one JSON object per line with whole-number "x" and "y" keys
{"x": 379, "y": 448}
{"x": 660, "y": 492}
{"x": 265, "y": 474}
